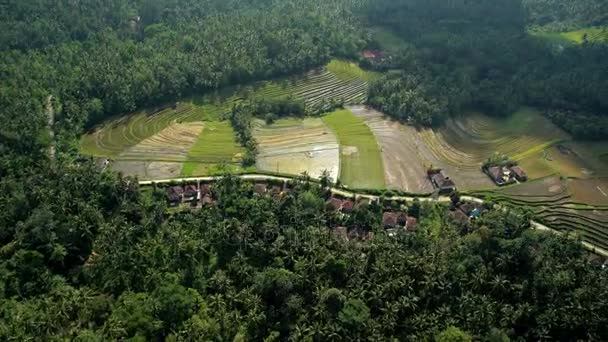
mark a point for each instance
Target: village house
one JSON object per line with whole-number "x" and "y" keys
{"x": 460, "y": 217}
{"x": 392, "y": 221}
{"x": 373, "y": 54}
{"x": 260, "y": 188}
{"x": 504, "y": 175}
{"x": 175, "y": 195}
{"x": 441, "y": 182}
{"x": 276, "y": 191}
{"x": 519, "y": 173}
{"x": 500, "y": 175}
{"x": 344, "y": 205}
{"x": 190, "y": 193}
{"x": 347, "y": 206}
{"x": 389, "y": 220}
{"x": 334, "y": 203}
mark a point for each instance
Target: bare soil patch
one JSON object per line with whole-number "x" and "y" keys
{"x": 590, "y": 191}
{"x": 146, "y": 170}
{"x": 349, "y": 150}
{"x": 296, "y": 146}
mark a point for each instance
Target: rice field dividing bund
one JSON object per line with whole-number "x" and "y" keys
{"x": 361, "y": 165}
{"x": 568, "y": 205}
{"x": 294, "y": 146}
{"x": 339, "y": 80}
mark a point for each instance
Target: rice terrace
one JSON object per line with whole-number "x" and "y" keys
{"x": 364, "y": 149}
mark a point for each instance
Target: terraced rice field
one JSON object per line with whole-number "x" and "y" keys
{"x": 590, "y": 191}
{"x": 216, "y": 145}
{"x": 171, "y": 144}
{"x": 593, "y": 35}
{"x": 361, "y": 164}
{"x": 562, "y": 204}
{"x": 294, "y": 146}
{"x": 120, "y": 138}
{"x": 462, "y": 145}
{"x": 115, "y": 136}
{"x": 404, "y": 166}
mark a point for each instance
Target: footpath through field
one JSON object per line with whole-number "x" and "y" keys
{"x": 346, "y": 193}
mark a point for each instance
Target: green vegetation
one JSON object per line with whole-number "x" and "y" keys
{"x": 387, "y": 40}
{"x": 562, "y": 204}
{"x": 360, "y": 160}
{"x": 316, "y": 88}
{"x": 440, "y": 74}
{"x": 586, "y": 35}
{"x": 87, "y": 255}
{"x": 216, "y": 145}
{"x": 562, "y": 16}
{"x": 121, "y": 133}
{"x": 254, "y": 268}
{"x": 350, "y": 71}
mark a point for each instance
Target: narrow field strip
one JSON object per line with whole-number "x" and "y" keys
{"x": 404, "y": 167}
{"x": 215, "y": 145}
{"x": 361, "y": 163}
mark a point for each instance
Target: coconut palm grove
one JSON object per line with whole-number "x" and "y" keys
{"x": 304, "y": 170}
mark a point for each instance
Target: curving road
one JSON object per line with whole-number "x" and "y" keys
{"x": 442, "y": 199}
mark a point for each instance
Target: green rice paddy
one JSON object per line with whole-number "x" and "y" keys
{"x": 360, "y": 160}
{"x": 561, "y": 204}
{"x": 215, "y": 145}
{"x": 591, "y": 35}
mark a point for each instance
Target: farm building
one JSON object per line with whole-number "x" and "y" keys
{"x": 503, "y": 175}
{"x": 519, "y": 173}
{"x": 440, "y": 181}
{"x": 500, "y": 175}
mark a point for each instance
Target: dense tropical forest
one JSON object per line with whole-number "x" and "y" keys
{"x": 87, "y": 254}
{"x": 464, "y": 54}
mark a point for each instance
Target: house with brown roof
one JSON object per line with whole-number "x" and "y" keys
{"x": 205, "y": 189}
{"x": 389, "y": 220}
{"x": 411, "y": 224}
{"x": 460, "y": 217}
{"x": 501, "y": 175}
{"x": 441, "y": 181}
{"x": 519, "y": 173}
{"x": 174, "y": 195}
{"x": 260, "y": 188}
{"x": 207, "y": 200}
{"x": 372, "y": 54}
{"x": 334, "y": 203}
{"x": 347, "y": 206}
{"x": 190, "y": 193}
{"x": 276, "y": 191}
